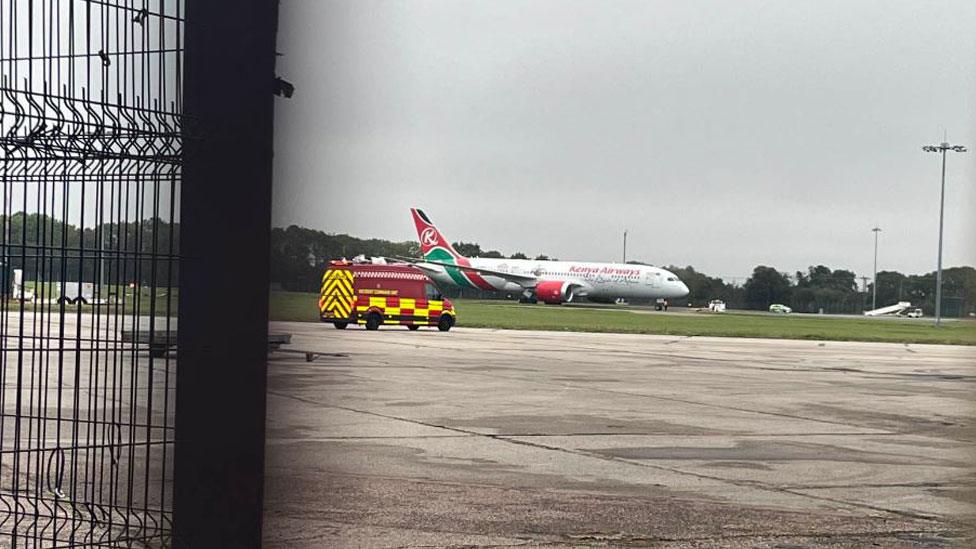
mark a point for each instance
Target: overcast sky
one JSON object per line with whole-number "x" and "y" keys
{"x": 720, "y": 134}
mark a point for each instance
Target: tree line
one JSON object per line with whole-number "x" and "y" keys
{"x": 46, "y": 249}
{"x": 821, "y": 289}
{"x": 299, "y": 256}
{"x": 145, "y": 252}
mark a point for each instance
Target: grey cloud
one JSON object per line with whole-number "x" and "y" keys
{"x": 721, "y": 135}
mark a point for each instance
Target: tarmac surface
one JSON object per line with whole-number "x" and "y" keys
{"x": 485, "y": 438}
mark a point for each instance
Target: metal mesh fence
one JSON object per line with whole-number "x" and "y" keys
{"x": 90, "y": 162}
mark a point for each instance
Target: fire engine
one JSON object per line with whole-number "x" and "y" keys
{"x": 372, "y": 295}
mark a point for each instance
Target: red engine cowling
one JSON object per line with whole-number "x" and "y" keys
{"x": 554, "y": 292}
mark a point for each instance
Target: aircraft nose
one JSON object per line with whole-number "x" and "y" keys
{"x": 682, "y": 289}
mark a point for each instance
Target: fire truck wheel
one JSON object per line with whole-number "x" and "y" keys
{"x": 341, "y": 325}
{"x": 373, "y": 321}
{"x": 413, "y": 327}
{"x": 445, "y": 323}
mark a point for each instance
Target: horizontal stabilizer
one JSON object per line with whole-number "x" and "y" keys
{"x": 525, "y": 281}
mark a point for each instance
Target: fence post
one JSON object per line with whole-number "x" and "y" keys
{"x": 224, "y": 273}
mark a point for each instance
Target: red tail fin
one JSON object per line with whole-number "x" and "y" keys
{"x": 431, "y": 240}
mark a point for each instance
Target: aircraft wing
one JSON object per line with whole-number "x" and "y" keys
{"x": 525, "y": 281}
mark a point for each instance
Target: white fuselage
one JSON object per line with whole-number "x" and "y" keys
{"x": 606, "y": 281}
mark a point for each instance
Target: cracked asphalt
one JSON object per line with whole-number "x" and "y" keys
{"x": 484, "y": 438}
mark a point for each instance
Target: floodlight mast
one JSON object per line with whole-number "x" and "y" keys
{"x": 874, "y": 298}
{"x": 625, "y": 245}
{"x": 942, "y": 148}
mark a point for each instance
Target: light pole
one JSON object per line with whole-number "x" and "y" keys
{"x": 942, "y": 147}
{"x": 625, "y": 245}
{"x": 874, "y": 298}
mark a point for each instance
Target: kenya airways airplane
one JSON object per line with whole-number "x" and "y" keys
{"x": 548, "y": 281}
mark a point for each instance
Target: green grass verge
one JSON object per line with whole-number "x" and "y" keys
{"x": 294, "y": 306}
{"x": 512, "y": 316}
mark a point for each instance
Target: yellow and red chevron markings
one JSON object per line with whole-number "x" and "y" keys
{"x": 337, "y": 295}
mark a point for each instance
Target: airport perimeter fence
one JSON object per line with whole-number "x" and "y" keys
{"x": 90, "y": 137}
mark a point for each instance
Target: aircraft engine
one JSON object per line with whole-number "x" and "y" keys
{"x": 554, "y": 292}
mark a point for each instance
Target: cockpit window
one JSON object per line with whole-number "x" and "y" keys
{"x": 672, "y": 279}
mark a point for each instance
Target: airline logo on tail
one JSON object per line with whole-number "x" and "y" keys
{"x": 434, "y": 247}
{"x": 429, "y": 237}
